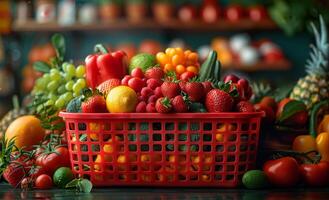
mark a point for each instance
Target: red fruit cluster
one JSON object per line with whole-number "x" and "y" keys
{"x": 242, "y": 85}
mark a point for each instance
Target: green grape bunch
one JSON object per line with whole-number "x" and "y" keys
{"x": 61, "y": 81}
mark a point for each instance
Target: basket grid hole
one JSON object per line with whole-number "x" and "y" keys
{"x": 82, "y": 126}
{"x": 182, "y": 147}
{"x": 219, "y": 148}
{"x": 131, "y": 126}
{"x": 169, "y": 126}
{"x": 132, "y": 147}
{"x": 144, "y": 126}
{"x": 244, "y": 126}
{"x": 242, "y": 168}
{"x": 157, "y": 147}
{"x": 218, "y": 168}
{"x": 206, "y": 148}
{"x": 207, "y": 126}
{"x": 182, "y": 126}
{"x": 170, "y": 137}
{"x": 157, "y": 137}
{"x": 232, "y": 138}
{"x": 219, "y": 158}
{"x": 230, "y": 158}
{"x": 232, "y": 148}
{"x": 156, "y": 126}
{"x": 71, "y": 126}
{"x": 253, "y": 126}
{"x": 243, "y": 147}
{"x": 207, "y": 137}
{"x": 253, "y": 137}
{"x": 229, "y": 177}
{"x": 242, "y": 157}
{"x": 182, "y": 137}
{"x": 244, "y": 137}
{"x": 194, "y": 137}
{"x": 182, "y": 177}
{"x": 194, "y": 126}
{"x": 131, "y": 137}
{"x": 218, "y": 177}
{"x": 230, "y": 168}
{"x": 252, "y": 147}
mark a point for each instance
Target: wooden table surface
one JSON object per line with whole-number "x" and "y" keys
{"x": 7, "y": 192}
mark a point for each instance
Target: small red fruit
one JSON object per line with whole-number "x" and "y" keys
{"x": 186, "y": 76}
{"x": 146, "y": 92}
{"x": 13, "y": 174}
{"x": 244, "y": 106}
{"x": 218, "y": 101}
{"x": 137, "y": 73}
{"x": 155, "y": 72}
{"x": 299, "y": 119}
{"x": 234, "y": 13}
{"x": 141, "y": 107}
{"x": 207, "y": 86}
{"x": 94, "y": 104}
{"x": 170, "y": 89}
{"x": 43, "y": 182}
{"x": 194, "y": 90}
{"x": 152, "y": 98}
{"x": 232, "y": 78}
{"x": 163, "y": 105}
{"x": 136, "y": 84}
{"x": 257, "y": 13}
{"x": 179, "y": 105}
{"x": 153, "y": 83}
{"x": 125, "y": 80}
{"x": 150, "y": 108}
{"x": 269, "y": 113}
{"x": 158, "y": 92}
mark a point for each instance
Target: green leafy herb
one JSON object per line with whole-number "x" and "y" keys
{"x": 290, "y": 109}
{"x": 81, "y": 185}
{"x": 58, "y": 42}
{"x": 41, "y": 66}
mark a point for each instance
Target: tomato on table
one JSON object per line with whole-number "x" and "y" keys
{"x": 43, "y": 181}
{"x": 315, "y": 174}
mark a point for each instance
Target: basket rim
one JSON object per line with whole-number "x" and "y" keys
{"x": 172, "y": 116}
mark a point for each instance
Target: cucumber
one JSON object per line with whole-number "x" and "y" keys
{"x": 255, "y": 179}
{"x": 207, "y": 66}
{"x": 217, "y": 71}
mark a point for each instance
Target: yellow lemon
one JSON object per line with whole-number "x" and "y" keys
{"x": 121, "y": 99}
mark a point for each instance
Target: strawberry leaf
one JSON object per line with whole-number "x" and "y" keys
{"x": 290, "y": 109}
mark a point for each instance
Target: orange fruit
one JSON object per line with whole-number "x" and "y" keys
{"x": 180, "y": 69}
{"x": 26, "y": 131}
{"x": 324, "y": 125}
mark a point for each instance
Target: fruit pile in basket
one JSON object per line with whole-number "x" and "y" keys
{"x": 172, "y": 82}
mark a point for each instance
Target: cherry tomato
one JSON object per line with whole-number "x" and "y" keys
{"x": 43, "y": 182}
{"x": 257, "y": 13}
{"x": 282, "y": 172}
{"x": 186, "y": 76}
{"x": 234, "y": 12}
{"x": 315, "y": 174}
{"x": 136, "y": 83}
{"x": 51, "y": 162}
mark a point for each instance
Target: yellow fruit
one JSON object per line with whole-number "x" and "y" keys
{"x": 322, "y": 144}
{"x": 26, "y": 131}
{"x": 121, "y": 99}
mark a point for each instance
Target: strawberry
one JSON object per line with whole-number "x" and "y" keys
{"x": 182, "y": 85}
{"x": 232, "y": 78}
{"x": 170, "y": 89}
{"x": 13, "y": 174}
{"x": 137, "y": 73}
{"x": 141, "y": 107}
{"x": 207, "y": 86}
{"x": 106, "y": 86}
{"x": 218, "y": 100}
{"x": 179, "y": 104}
{"x": 194, "y": 90}
{"x": 163, "y": 105}
{"x": 94, "y": 104}
{"x": 150, "y": 108}
{"x": 244, "y": 106}
{"x": 153, "y": 83}
{"x": 155, "y": 72}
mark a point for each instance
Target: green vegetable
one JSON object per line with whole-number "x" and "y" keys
{"x": 255, "y": 179}
{"x": 197, "y": 107}
{"x": 74, "y": 106}
{"x": 81, "y": 185}
{"x": 62, "y": 176}
{"x": 208, "y": 67}
{"x": 143, "y": 61}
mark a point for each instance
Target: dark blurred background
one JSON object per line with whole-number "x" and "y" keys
{"x": 262, "y": 40}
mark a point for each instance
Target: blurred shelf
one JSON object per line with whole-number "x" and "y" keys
{"x": 261, "y": 66}
{"x": 223, "y": 25}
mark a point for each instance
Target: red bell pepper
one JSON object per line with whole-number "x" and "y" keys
{"x": 104, "y": 66}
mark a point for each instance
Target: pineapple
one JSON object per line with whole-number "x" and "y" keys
{"x": 11, "y": 116}
{"x": 314, "y": 87}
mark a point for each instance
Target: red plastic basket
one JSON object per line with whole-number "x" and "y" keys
{"x": 188, "y": 149}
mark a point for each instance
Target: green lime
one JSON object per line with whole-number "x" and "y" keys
{"x": 255, "y": 179}
{"x": 62, "y": 176}
{"x": 143, "y": 61}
